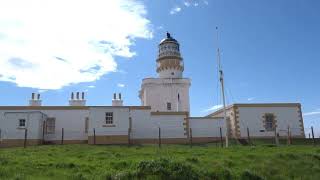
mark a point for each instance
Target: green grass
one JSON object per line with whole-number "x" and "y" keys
{"x": 169, "y": 162}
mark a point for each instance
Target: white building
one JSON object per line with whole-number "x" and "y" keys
{"x": 164, "y": 113}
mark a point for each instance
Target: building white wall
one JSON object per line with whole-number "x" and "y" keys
{"x": 206, "y": 127}
{"x": 72, "y": 121}
{"x": 9, "y": 124}
{"x": 97, "y": 120}
{"x": 171, "y": 125}
{"x": 252, "y": 117}
{"x": 142, "y": 125}
{"x": 156, "y": 92}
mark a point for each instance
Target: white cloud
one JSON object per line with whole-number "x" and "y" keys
{"x": 175, "y": 10}
{"x": 317, "y": 112}
{"x": 120, "y": 85}
{"x": 188, "y": 3}
{"x": 54, "y": 43}
{"x": 91, "y": 86}
{"x": 213, "y": 108}
{"x": 251, "y": 98}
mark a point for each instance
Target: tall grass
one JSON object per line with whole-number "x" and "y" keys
{"x": 169, "y": 162}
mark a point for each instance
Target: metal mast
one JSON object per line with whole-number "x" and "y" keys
{"x": 222, "y": 90}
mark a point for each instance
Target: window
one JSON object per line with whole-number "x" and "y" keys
{"x": 109, "y": 117}
{"x": 86, "y": 125}
{"x": 168, "y": 106}
{"x": 51, "y": 125}
{"x": 22, "y": 123}
{"x": 269, "y": 122}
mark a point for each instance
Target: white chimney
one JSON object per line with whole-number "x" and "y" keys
{"x": 115, "y": 101}
{"x": 35, "y": 100}
{"x": 77, "y": 101}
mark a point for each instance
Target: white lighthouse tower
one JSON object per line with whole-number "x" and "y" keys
{"x": 170, "y": 91}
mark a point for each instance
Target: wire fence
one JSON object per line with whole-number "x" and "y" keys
{"x": 159, "y": 136}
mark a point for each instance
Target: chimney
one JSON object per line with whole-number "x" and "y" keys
{"x": 35, "y": 100}
{"x": 115, "y": 101}
{"x": 77, "y": 101}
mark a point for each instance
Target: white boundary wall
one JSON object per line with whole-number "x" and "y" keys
{"x": 206, "y": 127}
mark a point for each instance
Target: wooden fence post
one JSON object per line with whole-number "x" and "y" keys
{"x": 190, "y": 136}
{"x": 159, "y": 140}
{"x": 276, "y": 137}
{"x": 221, "y": 141}
{"x": 289, "y": 141}
{"x": 43, "y": 131}
{"x": 25, "y": 137}
{"x": 94, "y": 135}
{"x": 129, "y": 138}
{"x": 314, "y": 141}
{"x": 248, "y": 133}
{"x": 62, "y": 136}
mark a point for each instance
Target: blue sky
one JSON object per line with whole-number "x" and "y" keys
{"x": 270, "y": 50}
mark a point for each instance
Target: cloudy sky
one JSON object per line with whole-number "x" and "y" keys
{"x": 270, "y": 50}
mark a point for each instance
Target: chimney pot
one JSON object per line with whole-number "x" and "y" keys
{"x": 72, "y": 96}
{"x": 82, "y": 95}
{"x": 120, "y": 96}
{"x": 77, "y": 95}
{"x": 32, "y": 96}
{"x": 38, "y": 96}
{"x": 114, "y": 96}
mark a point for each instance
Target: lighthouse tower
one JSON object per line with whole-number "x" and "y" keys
{"x": 170, "y": 91}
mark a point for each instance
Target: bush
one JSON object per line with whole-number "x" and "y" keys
{"x": 192, "y": 159}
{"x": 247, "y": 175}
{"x": 165, "y": 169}
{"x": 3, "y": 161}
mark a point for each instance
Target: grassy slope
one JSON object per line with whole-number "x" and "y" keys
{"x": 170, "y": 162}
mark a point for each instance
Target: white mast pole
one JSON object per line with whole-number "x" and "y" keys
{"x": 223, "y": 95}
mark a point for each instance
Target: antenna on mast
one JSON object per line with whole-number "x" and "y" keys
{"x": 222, "y": 90}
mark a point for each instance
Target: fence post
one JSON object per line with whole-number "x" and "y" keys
{"x": 0, "y": 136}
{"x": 190, "y": 136}
{"x": 276, "y": 137}
{"x": 314, "y": 142}
{"x": 129, "y": 138}
{"x": 62, "y": 136}
{"x": 159, "y": 140}
{"x": 25, "y": 137}
{"x": 221, "y": 141}
{"x": 248, "y": 132}
{"x": 94, "y": 135}
{"x": 288, "y": 138}
{"x": 43, "y": 131}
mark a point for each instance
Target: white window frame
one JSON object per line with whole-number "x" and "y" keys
{"x": 169, "y": 106}
{"x": 51, "y": 128}
{"x": 24, "y": 122}
{"x": 86, "y": 124}
{"x": 109, "y": 118}
{"x": 269, "y": 123}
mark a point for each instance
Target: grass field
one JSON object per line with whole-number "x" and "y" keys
{"x": 169, "y": 162}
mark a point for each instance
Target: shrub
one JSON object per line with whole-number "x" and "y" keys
{"x": 192, "y": 159}
{"x": 3, "y": 161}
{"x": 165, "y": 169}
{"x": 247, "y": 175}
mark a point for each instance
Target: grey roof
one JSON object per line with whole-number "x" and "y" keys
{"x": 168, "y": 39}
